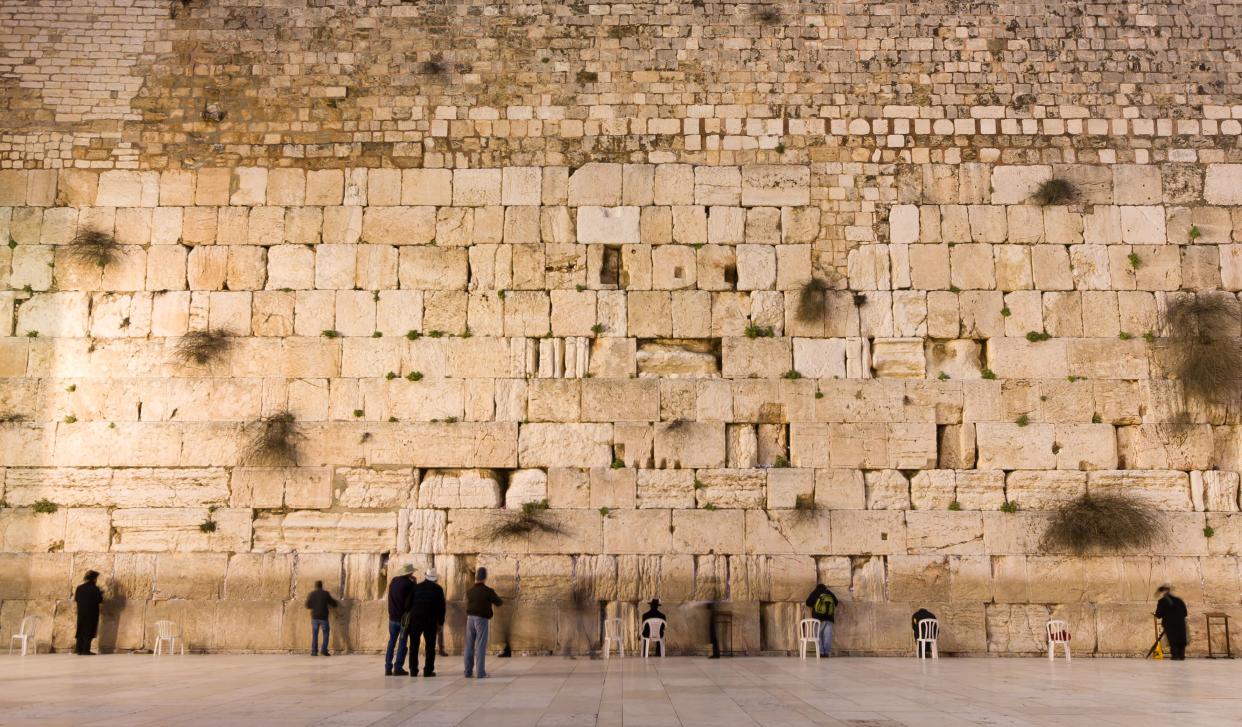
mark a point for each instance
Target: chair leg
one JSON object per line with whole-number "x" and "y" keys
{"x": 1052, "y": 651}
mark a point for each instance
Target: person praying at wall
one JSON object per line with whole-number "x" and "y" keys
{"x": 320, "y": 602}
{"x": 88, "y": 598}
{"x": 1171, "y": 611}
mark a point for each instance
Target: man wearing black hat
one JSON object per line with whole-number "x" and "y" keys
{"x": 88, "y": 598}
{"x": 479, "y": 601}
{"x": 653, "y": 612}
{"x": 427, "y": 609}
{"x": 1171, "y": 611}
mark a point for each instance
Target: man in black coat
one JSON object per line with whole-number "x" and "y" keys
{"x": 653, "y": 612}
{"x": 1171, "y": 611}
{"x": 88, "y": 598}
{"x": 427, "y": 609}
{"x": 921, "y": 615}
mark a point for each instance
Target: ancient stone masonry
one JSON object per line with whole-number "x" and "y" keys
{"x": 702, "y": 300}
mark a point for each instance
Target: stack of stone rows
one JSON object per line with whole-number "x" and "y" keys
{"x": 648, "y": 351}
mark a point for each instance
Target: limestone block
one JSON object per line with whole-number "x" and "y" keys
{"x": 735, "y": 488}
{"x": 711, "y": 531}
{"x": 399, "y": 225}
{"x": 613, "y": 488}
{"x": 918, "y": 578}
{"x": 476, "y": 187}
{"x": 933, "y": 489}
{"x": 898, "y": 358}
{"x": 288, "y": 266}
{"x": 717, "y": 185}
{"x": 258, "y": 577}
{"x": 763, "y": 225}
{"x": 576, "y": 531}
{"x": 957, "y": 359}
{"x": 525, "y": 486}
{"x": 987, "y": 223}
{"x": 756, "y": 267}
{"x": 887, "y": 490}
{"x": 433, "y": 268}
{"x": 24, "y": 530}
{"x": 755, "y": 357}
{"x": 459, "y": 488}
{"x": 776, "y": 185}
{"x": 360, "y": 487}
{"x": 177, "y": 529}
{"x": 903, "y": 224}
{"x": 665, "y": 488}
{"x": 786, "y": 485}
{"x": 56, "y": 315}
{"x": 1219, "y": 490}
{"x": 1020, "y": 358}
{"x": 565, "y": 445}
{"x": 1012, "y": 446}
{"x": 1155, "y": 446}
{"x": 674, "y": 184}
{"x": 325, "y": 532}
{"x": 1016, "y": 184}
{"x": 620, "y": 400}
{"x": 1013, "y": 533}
{"x": 608, "y": 225}
{"x": 1223, "y": 184}
{"x": 676, "y": 359}
{"x": 596, "y": 184}
{"x": 690, "y": 445}
{"x": 128, "y": 189}
{"x": 1044, "y": 490}
{"x": 868, "y": 532}
{"x": 1086, "y": 446}
{"x": 980, "y": 489}
{"x": 1164, "y": 490}
{"x": 819, "y": 358}
{"x": 788, "y": 532}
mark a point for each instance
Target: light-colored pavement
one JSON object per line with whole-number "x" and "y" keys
{"x": 133, "y": 690}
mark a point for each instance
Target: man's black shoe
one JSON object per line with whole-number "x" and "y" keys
{"x": 388, "y": 672}
{"x": 429, "y": 673}
{"x": 399, "y": 672}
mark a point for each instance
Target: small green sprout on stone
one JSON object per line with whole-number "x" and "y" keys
{"x": 709, "y": 506}
{"x": 70, "y": 419}
{"x": 1009, "y": 507}
{"x": 987, "y": 374}
{"x": 414, "y": 376}
{"x": 1208, "y": 531}
{"x": 943, "y": 376}
{"x": 390, "y": 375}
{"x": 791, "y": 374}
{"x": 597, "y": 329}
{"x": 1006, "y": 312}
{"x": 358, "y": 413}
{"x": 754, "y": 331}
{"x": 1022, "y": 420}
{"x": 44, "y": 506}
{"x": 617, "y": 463}
{"x": 1194, "y": 234}
{"x": 603, "y": 511}
{"x": 1124, "y": 336}
{"x": 331, "y": 333}
{"x": 1136, "y": 262}
{"x": 413, "y": 335}
{"x": 1037, "y": 336}
{"x": 955, "y": 506}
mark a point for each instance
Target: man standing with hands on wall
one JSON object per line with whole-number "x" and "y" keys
{"x": 479, "y": 602}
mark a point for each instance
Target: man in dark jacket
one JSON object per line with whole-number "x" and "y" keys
{"x": 400, "y": 592}
{"x": 426, "y": 617}
{"x": 89, "y": 598}
{"x": 1171, "y": 611}
{"x": 921, "y": 615}
{"x": 479, "y": 601}
{"x": 823, "y": 605}
{"x": 319, "y": 602}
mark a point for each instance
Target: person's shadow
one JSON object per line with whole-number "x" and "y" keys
{"x": 110, "y": 614}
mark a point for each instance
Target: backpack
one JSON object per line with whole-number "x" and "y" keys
{"x": 825, "y": 605}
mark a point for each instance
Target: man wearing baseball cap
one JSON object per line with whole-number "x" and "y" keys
{"x": 479, "y": 601}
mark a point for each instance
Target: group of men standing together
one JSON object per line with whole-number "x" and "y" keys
{"x": 416, "y": 609}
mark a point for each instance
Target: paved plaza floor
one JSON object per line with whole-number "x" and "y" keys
{"x": 132, "y": 690}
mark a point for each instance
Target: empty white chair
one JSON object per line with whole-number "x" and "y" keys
{"x": 1058, "y": 633}
{"x": 929, "y": 631}
{"x": 653, "y": 628}
{"x": 26, "y": 635}
{"x": 168, "y": 633}
{"x": 808, "y": 632}
{"x": 612, "y": 633}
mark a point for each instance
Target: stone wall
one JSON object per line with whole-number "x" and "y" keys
{"x": 677, "y": 269}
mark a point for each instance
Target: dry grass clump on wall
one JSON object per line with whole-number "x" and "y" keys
{"x": 1056, "y": 191}
{"x": 203, "y": 347}
{"x": 1200, "y": 346}
{"x": 92, "y": 247}
{"x": 532, "y": 518}
{"x": 1101, "y": 522}
{"x": 273, "y": 441}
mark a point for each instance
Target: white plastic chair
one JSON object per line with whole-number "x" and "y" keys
{"x": 655, "y": 628}
{"x": 1058, "y": 633}
{"x": 613, "y": 634}
{"x": 26, "y": 634}
{"x": 929, "y": 631}
{"x": 808, "y": 633}
{"x": 168, "y": 633}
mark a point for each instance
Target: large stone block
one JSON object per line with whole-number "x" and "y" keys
{"x": 565, "y": 445}
{"x": 180, "y": 529}
{"x": 460, "y": 488}
{"x": 325, "y": 532}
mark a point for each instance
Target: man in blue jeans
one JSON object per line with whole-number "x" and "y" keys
{"x": 319, "y": 602}
{"x": 400, "y": 593}
{"x": 479, "y": 602}
{"x": 823, "y": 605}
